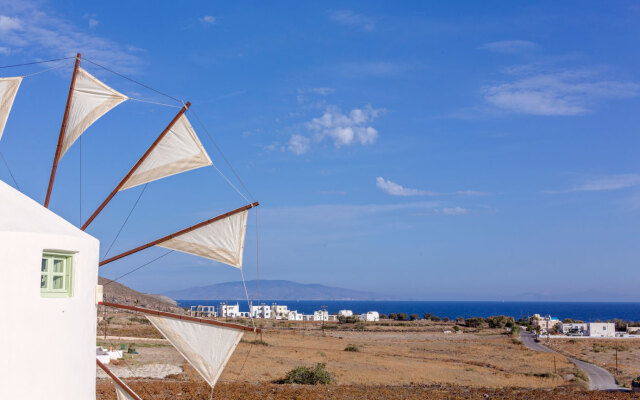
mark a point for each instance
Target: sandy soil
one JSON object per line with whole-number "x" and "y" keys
{"x": 602, "y": 352}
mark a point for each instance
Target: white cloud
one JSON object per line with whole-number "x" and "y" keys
{"x": 8, "y": 24}
{"x": 510, "y": 46}
{"x": 603, "y": 183}
{"x": 208, "y": 20}
{"x": 567, "y": 92}
{"x": 93, "y": 22}
{"x": 298, "y": 144}
{"x": 26, "y": 27}
{"x": 5, "y": 50}
{"x": 349, "y": 18}
{"x": 342, "y": 129}
{"x": 452, "y": 211}
{"x": 322, "y": 91}
{"x": 396, "y": 189}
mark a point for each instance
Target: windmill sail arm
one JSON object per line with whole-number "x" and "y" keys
{"x": 119, "y": 383}
{"x": 179, "y": 233}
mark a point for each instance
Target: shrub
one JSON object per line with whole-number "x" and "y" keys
{"x": 257, "y": 341}
{"x": 499, "y": 321}
{"x": 427, "y": 315}
{"x": 317, "y": 375}
{"x": 402, "y": 316}
{"x": 435, "y": 318}
{"x": 414, "y": 317}
{"x": 347, "y": 320}
{"x": 456, "y": 328}
{"x": 352, "y": 347}
{"x": 393, "y": 316}
{"x": 580, "y": 374}
{"x": 383, "y": 316}
{"x": 445, "y": 319}
{"x": 474, "y": 322}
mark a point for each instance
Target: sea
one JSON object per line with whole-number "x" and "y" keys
{"x": 454, "y": 309}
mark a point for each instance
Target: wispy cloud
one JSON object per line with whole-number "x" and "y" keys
{"x": 208, "y": 20}
{"x": 5, "y": 50}
{"x": 452, "y": 211}
{"x": 25, "y": 27}
{"x": 396, "y": 189}
{"x": 510, "y": 46}
{"x": 603, "y": 183}
{"x": 342, "y": 129}
{"x": 349, "y": 18}
{"x": 376, "y": 69}
{"x": 566, "y": 92}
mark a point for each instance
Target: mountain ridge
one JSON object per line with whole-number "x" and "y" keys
{"x": 272, "y": 289}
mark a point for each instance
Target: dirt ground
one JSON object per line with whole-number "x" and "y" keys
{"x": 602, "y": 352}
{"x": 390, "y": 357}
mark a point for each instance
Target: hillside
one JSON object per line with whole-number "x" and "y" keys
{"x": 271, "y": 289}
{"x": 117, "y": 293}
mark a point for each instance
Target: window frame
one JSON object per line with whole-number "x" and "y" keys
{"x": 67, "y": 274}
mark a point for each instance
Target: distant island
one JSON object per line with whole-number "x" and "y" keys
{"x": 272, "y": 289}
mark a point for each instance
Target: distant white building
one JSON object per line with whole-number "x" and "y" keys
{"x": 602, "y": 329}
{"x": 546, "y": 323}
{"x": 371, "y": 316}
{"x": 294, "y": 316}
{"x": 575, "y": 329}
{"x": 345, "y": 313}
{"x": 229, "y": 310}
{"x": 321, "y": 315}
{"x": 261, "y": 311}
{"x": 279, "y": 311}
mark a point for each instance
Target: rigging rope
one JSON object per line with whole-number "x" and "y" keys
{"x": 125, "y": 221}
{"x": 80, "y": 179}
{"x": 223, "y": 156}
{"x": 10, "y": 172}
{"x": 153, "y": 102}
{"x": 143, "y": 265}
{"x": 48, "y": 69}
{"x": 37, "y": 62}
{"x": 132, "y": 80}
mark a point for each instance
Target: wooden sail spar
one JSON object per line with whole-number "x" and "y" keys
{"x": 123, "y": 386}
{"x": 182, "y": 317}
{"x": 179, "y": 233}
{"x": 63, "y": 129}
{"x": 136, "y": 166}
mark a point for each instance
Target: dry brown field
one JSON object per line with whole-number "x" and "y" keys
{"x": 602, "y": 352}
{"x": 395, "y": 360}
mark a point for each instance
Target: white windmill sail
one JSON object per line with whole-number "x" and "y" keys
{"x": 179, "y": 151}
{"x": 206, "y": 347}
{"x": 91, "y": 99}
{"x": 8, "y": 89}
{"x": 122, "y": 393}
{"x": 222, "y": 240}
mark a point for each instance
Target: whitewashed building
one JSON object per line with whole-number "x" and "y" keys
{"x": 229, "y": 310}
{"x": 279, "y": 311}
{"x": 261, "y": 311}
{"x": 321, "y": 315}
{"x": 575, "y": 329}
{"x": 546, "y": 323}
{"x": 345, "y": 313}
{"x": 370, "y": 316}
{"x": 602, "y": 329}
{"x": 295, "y": 316}
{"x": 48, "y": 329}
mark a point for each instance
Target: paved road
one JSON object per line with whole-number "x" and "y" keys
{"x": 599, "y": 378}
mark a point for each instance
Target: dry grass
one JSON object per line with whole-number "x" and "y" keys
{"x": 602, "y": 352}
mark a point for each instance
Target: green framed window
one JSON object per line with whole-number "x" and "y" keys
{"x": 56, "y": 274}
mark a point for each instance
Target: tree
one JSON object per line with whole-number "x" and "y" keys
{"x": 427, "y": 315}
{"x": 445, "y": 319}
{"x": 474, "y": 322}
{"x": 383, "y": 316}
{"x": 435, "y": 318}
{"x": 402, "y": 316}
{"x": 414, "y": 317}
{"x": 393, "y": 316}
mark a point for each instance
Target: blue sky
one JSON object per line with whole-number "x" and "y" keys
{"x": 437, "y": 151}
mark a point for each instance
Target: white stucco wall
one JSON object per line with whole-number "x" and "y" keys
{"x": 49, "y": 343}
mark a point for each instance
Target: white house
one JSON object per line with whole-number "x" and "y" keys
{"x": 294, "y": 316}
{"x": 49, "y": 330}
{"x": 229, "y": 310}
{"x": 602, "y": 329}
{"x": 371, "y": 316}
{"x": 261, "y": 311}
{"x": 345, "y": 313}
{"x": 321, "y": 315}
{"x": 279, "y": 311}
{"x": 575, "y": 329}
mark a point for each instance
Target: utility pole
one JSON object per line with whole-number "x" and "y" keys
{"x": 555, "y": 368}
{"x": 324, "y": 310}
{"x": 616, "y": 360}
